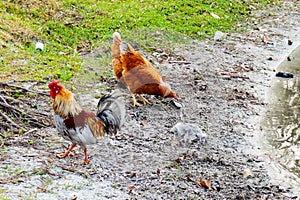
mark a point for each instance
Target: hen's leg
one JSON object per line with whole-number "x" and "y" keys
{"x": 144, "y": 100}
{"x": 135, "y": 103}
{"x": 67, "y": 152}
{"x": 86, "y": 159}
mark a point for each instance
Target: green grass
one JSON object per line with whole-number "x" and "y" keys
{"x": 73, "y": 27}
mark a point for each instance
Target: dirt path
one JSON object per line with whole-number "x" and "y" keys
{"x": 221, "y": 88}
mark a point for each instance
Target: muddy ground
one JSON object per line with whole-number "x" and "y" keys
{"x": 221, "y": 87}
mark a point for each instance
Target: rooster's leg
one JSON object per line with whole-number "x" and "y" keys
{"x": 67, "y": 152}
{"x": 86, "y": 159}
{"x": 144, "y": 100}
{"x": 135, "y": 103}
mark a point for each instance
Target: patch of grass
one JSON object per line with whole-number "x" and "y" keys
{"x": 73, "y": 27}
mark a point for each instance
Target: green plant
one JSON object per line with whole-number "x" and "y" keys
{"x": 73, "y": 27}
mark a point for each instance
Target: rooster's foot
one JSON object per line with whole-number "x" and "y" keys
{"x": 85, "y": 162}
{"x": 63, "y": 155}
{"x": 67, "y": 153}
{"x": 86, "y": 159}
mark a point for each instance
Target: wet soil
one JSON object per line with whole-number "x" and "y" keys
{"x": 221, "y": 87}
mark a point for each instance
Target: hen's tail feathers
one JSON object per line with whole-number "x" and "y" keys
{"x": 115, "y": 50}
{"x": 120, "y": 47}
{"x": 111, "y": 110}
{"x": 126, "y": 48}
{"x": 117, "y": 36}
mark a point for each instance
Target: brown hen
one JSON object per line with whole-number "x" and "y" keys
{"x": 136, "y": 72}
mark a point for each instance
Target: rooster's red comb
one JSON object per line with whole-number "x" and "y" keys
{"x": 53, "y": 83}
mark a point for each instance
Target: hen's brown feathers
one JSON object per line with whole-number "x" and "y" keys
{"x": 136, "y": 72}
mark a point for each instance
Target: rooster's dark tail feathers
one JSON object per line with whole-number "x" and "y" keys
{"x": 111, "y": 110}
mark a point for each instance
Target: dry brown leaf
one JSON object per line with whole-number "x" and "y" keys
{"x": 158, "y": 172}
{"x": 205, "y": 183}
{"x": 133, "y": 174}
{"x": 74, "y": 198}
{"x": 130, "y": 188}
{"x": 267, "y": 40}
{"x": 42, "y": 188}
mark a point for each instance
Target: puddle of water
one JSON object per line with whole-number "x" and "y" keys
{"x": 281, "y": 124}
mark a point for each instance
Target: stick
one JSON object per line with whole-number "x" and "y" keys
{"x": 32, "y": 119}
{"x": 22, "y": 88}
{"x": 179, "y": 61}
{"x": 30, "y": 131}
{"x": 9, "y": 120}
{"x": 3, "y": 99}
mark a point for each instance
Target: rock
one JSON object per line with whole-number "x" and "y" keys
{"x": 189, "y": 132}
{"x": 218, "y": 35}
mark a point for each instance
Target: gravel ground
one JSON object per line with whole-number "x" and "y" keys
{"x": 221, "y": 87}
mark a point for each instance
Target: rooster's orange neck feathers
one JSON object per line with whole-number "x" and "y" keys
{"x": 65, "y": 105}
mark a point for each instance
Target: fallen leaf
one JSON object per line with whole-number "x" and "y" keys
{"x": 74, "y": 198}
{"x": 205, "y": 183}
{"x": 158, "y": 172}
{"x": 133, "y": 174}
{"x": 42, "y": 188}
{"x": 247, "y": 173}
{"x": 144, "y": 122}
{"x": 130, "y": 188}
{"x": 267, "y": 40}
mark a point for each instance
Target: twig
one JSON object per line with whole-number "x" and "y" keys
{"x": 22, "y": 88}
{"x": 26, "y": 81}
{"x": 15, "y": 109}
{"x": 30, "y": 131}
{"x": 32, "y": 119}
{"x": 179, "y": 61}
{"x": 3, "y": 99}
{"x": 37, "y": 123}
{"x": 9, "y": 120}
{"x": 4, "y": 124}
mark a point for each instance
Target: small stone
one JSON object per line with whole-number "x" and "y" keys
{"x": 189, "y": 132}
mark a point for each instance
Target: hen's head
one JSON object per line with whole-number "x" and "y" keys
{"x": 54, "y": 88}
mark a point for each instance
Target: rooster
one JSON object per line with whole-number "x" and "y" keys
{"x": 83, "y": 127}
{"x": 136, "y": 72}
